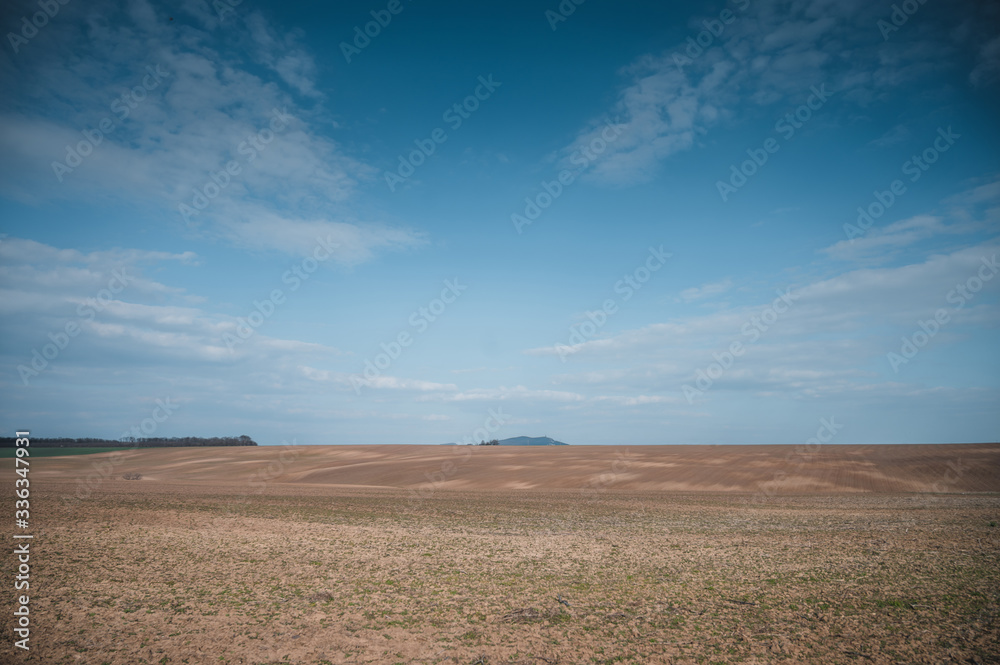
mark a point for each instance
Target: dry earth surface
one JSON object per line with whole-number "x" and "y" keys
{"x": 421, "y": 554}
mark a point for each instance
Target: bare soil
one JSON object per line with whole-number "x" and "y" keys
{"x": 763, "y": 469}
{"x": 859, "y": 554}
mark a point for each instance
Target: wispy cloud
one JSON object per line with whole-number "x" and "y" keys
{"x": 205, "y": 109}
{"x": 769, "y": 55}
{"x": 706, "y": 290}
{"x": 795, "y": 355}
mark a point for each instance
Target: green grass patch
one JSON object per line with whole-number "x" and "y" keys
{"x": 58, "y": 452}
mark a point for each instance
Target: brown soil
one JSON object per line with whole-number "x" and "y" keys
{"x": 855, "y": 554}
{"x": 765, "y": 469}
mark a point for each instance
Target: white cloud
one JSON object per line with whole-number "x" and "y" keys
{"x": 120, "y": 312}
{"x": 202, "y": 114}
{"x": 831, "y": 340}
{"x": 516, "y": 392}
{"x": 659, "y": 115}
{"x": 397, "y": 383}
{"x": 987, "y": 70}
{"x": 283, "y": 54}
{"x": 352, "y": 243}
{"x": 638, "y": 400}
{"x": 19, "y": 251}
{"x": 773, "y": 53}
{"x": 895, "y": 135}
{"x": 39, "y": 278}
{"x": 883, "y": 243}
{"x": 965, "y": 213}
{"x": 706, "y": 290}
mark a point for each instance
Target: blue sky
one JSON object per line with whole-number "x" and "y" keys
{"x": 629, "y": 223}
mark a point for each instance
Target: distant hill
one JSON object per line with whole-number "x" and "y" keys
{"x": 531, "y": 441}
{"x": 526, "y": 441}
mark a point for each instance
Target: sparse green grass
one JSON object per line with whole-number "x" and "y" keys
{"x": 58, "y": 452}
{"x": 649, "y": 578}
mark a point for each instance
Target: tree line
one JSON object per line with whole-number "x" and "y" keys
{"x": 135, "y": 442}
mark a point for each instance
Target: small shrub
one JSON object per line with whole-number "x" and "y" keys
{"x": 132, "y": 476}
